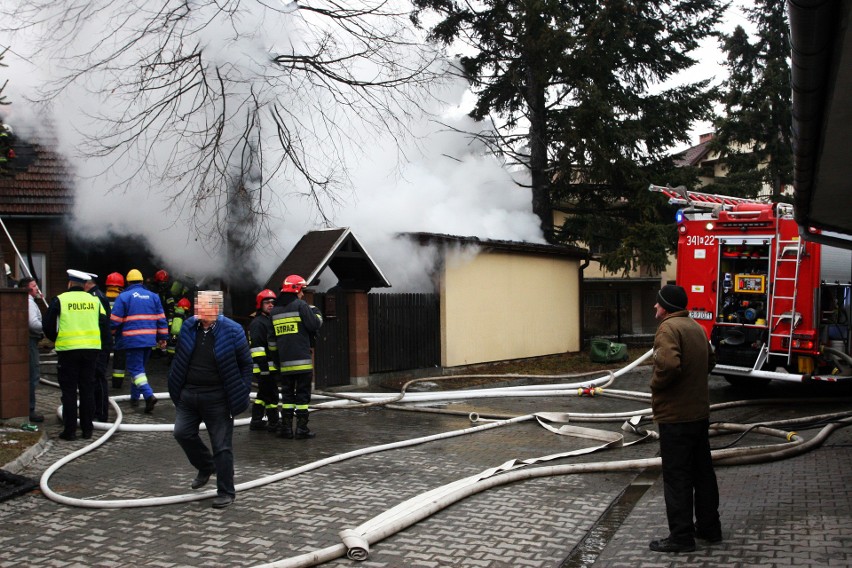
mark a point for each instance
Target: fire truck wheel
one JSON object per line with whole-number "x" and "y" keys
{"x": 746, "y": 382}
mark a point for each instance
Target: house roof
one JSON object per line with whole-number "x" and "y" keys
{"x": 35, "y": 182}
{"x": 822, "y": 111}
{"x": 693, "y": 156}
{"x": 498, "y": 245}
{"x": 336, "y": 249}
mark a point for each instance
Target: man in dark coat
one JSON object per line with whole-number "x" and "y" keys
{"x": 210, "y": 382}
{"x": 681, "y": 404}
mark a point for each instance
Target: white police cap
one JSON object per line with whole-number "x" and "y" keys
{"x": 78, "y": 276}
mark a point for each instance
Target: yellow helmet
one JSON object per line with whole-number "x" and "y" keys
{"x": 134, "y": 276}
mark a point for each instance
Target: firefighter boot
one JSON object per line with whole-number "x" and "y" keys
{"x": 117, "y": 382}
{"x": 257, "y": 418}
{"x": 302, "y": 431}
{"x": 272, "y": 423}
{"x": 285, "y": 427}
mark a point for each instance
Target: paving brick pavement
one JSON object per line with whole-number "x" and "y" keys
{"x": 790, "y": 513}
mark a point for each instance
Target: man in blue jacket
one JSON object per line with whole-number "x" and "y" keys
{"x": 210, "y": 382}
{"x": 138, "y": 324}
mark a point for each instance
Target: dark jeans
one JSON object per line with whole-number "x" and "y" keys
{"x": 76, "y": 372}
{"x": 212, "y": 409}
{"x": 689, "y": 479}
{"x": 34, "y": 371}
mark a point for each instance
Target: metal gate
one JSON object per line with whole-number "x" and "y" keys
{"x": 405, "y": 332}
{"x": 331, "y": 356}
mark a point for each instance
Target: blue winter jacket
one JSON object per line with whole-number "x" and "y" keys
{"x": 233, "y": 358}
{"x": 138, "y": 319}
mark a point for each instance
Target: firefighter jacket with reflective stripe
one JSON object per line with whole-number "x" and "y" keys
{"x": 233, "y": 360}
{"x": 264, "y": 349}
{"x": 294, "y": 324}
{"x": 76, "y": 320}
{"x": 138, "y": 319}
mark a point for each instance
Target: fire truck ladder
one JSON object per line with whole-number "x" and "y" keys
{"x": 681, "y": 196}
{"x": 787, "y": 251}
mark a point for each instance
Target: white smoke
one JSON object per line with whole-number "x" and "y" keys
{"x": 436, "y": 180}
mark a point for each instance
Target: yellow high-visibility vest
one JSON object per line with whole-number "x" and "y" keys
{"x": 79, "y": 312}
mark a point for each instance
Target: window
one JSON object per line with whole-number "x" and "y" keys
{"x": 40, "y": 267}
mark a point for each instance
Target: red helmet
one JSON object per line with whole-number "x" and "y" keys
{"x": 183, "y": 303}
{"x": 293, "y": 283}
{"x": 161, "y": 276}
{"x": 115, "y": 279}
{"x": 263, "y": 295}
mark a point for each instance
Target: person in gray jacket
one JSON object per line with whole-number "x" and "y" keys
{"x": 36, "y": 334}
{"x": 680, "y": 402}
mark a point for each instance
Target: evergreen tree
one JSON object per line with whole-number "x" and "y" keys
{"x": 754, "y": 135}
{"x": 569, "y": 86}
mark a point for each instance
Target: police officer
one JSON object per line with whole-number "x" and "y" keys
{"x": 264, "y": 356}
{"x": 294, "y": 323}
{"x": 101, "y": 384}
{"x": 77, "y": 324}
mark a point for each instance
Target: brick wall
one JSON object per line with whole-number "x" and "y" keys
{"x": 45, "y": 236}
{"x": 14, "y": 354}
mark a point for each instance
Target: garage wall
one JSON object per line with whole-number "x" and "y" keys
{"x": 504, "y": 305}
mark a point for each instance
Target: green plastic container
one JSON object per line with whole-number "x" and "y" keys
{"x": 606, "y": 351}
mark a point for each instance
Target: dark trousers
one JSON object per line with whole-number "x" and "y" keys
{"x": 296, "y": 389}
{"x": 267, "y": 390}
{"x": 76, "y": 372}
{"x": 102, "y": 387}
{"x": 689, "y": 482}
{"x": 212, "y": 409}
{"x": 34, "y": 371}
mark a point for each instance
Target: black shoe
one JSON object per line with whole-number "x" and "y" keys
{"x": 222, "y": 501}
{"x": 68, "y": 437}
{"x": 149, "y": 404}
{"x": 134, "y": 402}
{"x": 256, "y": 426}
{"x": 272, "y": 426}
{"x": 87, "y": 435}
{"x": 710, "y": 539}
{"x": 668, "y": 545}
{"x": 36, "y": 417}
{"x": 200, "y": 480}
{"x": 303, "y": 433}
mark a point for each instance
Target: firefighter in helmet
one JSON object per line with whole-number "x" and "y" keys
{"x": 294, "y": 324}
{"x": 264, "y": 356}
{"x": 139, "y": 324}
{"x": 114, "y": 287}
{"x": 182, "y": 312}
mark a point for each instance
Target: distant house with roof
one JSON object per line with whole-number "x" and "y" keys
{"x": 35, "y": 199}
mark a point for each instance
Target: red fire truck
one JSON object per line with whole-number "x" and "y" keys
{"x": 773, "y": 305}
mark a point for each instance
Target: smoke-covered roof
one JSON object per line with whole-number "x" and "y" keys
{"x": 336, "y": 249}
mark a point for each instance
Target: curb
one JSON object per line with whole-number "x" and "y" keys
{"x": 26, "y": 458}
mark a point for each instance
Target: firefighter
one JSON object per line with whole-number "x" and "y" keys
{"x": 77, "y": 324}
{"x": 139, "y": 325}
{"x": 294, "y": 324}
{"x": 182, "y": 312}
{"x": 160, "y": 285}
{"x": 264, "y": 356}
{"x": 114, "y": 287}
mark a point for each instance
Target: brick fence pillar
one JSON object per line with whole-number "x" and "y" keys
{"x": 359, "y": 335}
{"x": 14, "y": 353}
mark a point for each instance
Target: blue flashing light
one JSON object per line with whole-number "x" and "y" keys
{"x": 679, "y": 216}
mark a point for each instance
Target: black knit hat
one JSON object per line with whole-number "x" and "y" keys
{"x": 672, "y": 298}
